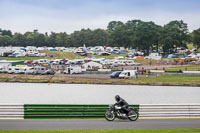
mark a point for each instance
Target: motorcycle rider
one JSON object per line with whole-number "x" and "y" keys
{"x": 122, "y": 103}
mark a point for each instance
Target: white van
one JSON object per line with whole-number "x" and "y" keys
{"x": 39, "y": 70}
{"x": 128, "y": 74}
{"x": 42, "y": 61}
{"x": 73, "y": 70}
{"x": 10, "y": 70}
{"x": 16, "y": 70}
{"x": 1, "y": 69}
{"x": 29, "y": 70}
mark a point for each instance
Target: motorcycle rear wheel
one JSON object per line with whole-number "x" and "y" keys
{"x": 133, "y": 115}
{"x": 110, "y": 116}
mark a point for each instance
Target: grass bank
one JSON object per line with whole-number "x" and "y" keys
{"x": 167, "y": 80}
{"x": 50, "y": 55}
{"x": 106, "y": 131}
{"x": 60, "y": 55}
{"x": 184, "y": 68}
{"x": 173, "y": 80}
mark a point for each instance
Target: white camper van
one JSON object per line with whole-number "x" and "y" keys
{"x": 1, "y": 69}
{"x": 30, "y": 70}
{"x": 73, "y": 70}
{"x": 128, "y": 74}
{"x": 39, "y": 70}
{"x": 16, "y": 70}
{"x": 10, "y": 70}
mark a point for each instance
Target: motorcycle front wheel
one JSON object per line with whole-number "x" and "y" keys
{"x": 109, "y": 115}
{"x": 133, "y": 115}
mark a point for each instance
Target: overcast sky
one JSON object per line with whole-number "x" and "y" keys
{"x": 70, "y": 15}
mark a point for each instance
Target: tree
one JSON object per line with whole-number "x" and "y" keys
{"x": 123, "y": 34}
{"x": 5, "y": 32}
{"x": 51, "y": 40}
{"x": 131, "y": 27}
{"x": 38, "y": 39}
{"x": 146, "y": 35}
{"x": 99, "y": 37}
{"x": 120, "y": 37}
{"x": 62, "y": 39}
{"x": 19, "y": 39}
{"x": 5, "y": 40}
{"x": 113, "y": 25}
{"x": 196, "y": 37}
{"x": 173, "y": 35}
{"x": 29, "y": 41}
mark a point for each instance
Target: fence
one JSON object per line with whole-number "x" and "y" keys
{"x": 11, "y": 111}
{"x": 64, "y": 111}
{"x": 167, "y": 111}
{"x": 162, "y": 72}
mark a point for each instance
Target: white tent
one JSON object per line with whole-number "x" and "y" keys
{"x": 92, "y": 65}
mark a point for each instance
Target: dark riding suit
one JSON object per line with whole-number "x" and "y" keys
{"x": 122, "y": 103}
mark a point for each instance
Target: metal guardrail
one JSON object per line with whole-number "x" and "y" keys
{"x": 56, "y": 111}
{"x": 175, "y": 72}
{"x": 64, "y": 111}
{"x": 11, "y": 111}
{"x": 167, "y": 111}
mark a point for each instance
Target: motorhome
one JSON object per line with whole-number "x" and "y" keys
{"x": 1, "y": 69}
{"x": 16, "y": 70}
{"x": 10, "y": 70}
{"x": 73, "y": 70}
{"x": 42, "y": 61}
{"x": 39, "y": 70}
{"x": 29, "y": 70}
{"x": 128, "y": 74}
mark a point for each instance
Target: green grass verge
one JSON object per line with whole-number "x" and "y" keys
{"x": 106, "y": 131}
{"x": 175, "y": 80}
{"x": 112, "y": 56}
{"x": 55, "y": 54}
{"x": 167, "y": 80}
{"x": 183, "y": 68}
{"x": 61, "y": 55}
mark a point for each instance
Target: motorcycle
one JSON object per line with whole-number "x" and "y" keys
{"x": 115, "y": 111}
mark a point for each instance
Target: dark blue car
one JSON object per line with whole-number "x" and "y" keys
{"x": 115, "y": 74}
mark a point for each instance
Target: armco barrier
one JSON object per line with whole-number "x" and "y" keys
{"x": 162, "y": 111}
{"x": 62, "y": 111}
{"x": 11, "y": 111}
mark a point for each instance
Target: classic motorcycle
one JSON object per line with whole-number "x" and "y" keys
{"x": 115, "y": 111}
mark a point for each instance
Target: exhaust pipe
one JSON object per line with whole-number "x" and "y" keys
{"x": 131, "y": 115}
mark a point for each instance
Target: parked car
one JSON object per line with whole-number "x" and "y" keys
{"x": 115, "y": 74}
{"x": 48, "y": 72}
{"x": 104, "y": 53}
{"x": 29, "y": 62}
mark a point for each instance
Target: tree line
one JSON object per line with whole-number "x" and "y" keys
{"x": 137, "y": 34}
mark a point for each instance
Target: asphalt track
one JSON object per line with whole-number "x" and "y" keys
{"x": 96, "y": 124}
